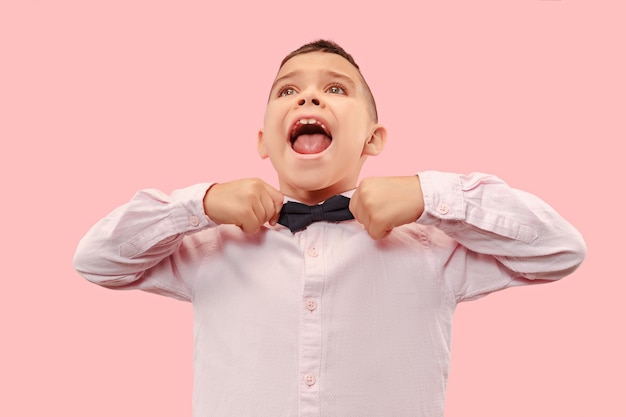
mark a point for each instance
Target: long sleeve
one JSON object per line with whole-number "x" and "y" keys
{"x": 505, "y": 237}
{"x": 123, "y": 247}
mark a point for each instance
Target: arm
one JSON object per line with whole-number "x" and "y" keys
{"x": 490, "y": 221}
{"x": 487, "y": 216}
{"x": 138, "y": 246}
{"x": 118, "y": 250}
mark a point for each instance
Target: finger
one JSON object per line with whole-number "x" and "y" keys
{"x": 377, "y": 231}
{"x": 277, "y": 196}
{"x": 269, "y": 208}
{"x": 250, "y": 222}
{"x": 259, "y": 213}
{"x": 360, "y": 214}
{"x": 277, "y": 208}
{"x": 277, "y": 200}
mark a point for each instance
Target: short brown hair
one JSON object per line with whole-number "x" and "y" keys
{"x": 323, "y": 45}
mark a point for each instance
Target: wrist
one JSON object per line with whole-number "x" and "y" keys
{"x": 205, "y": 200}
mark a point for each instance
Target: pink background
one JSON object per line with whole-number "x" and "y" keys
{"x": 101, "y": 98}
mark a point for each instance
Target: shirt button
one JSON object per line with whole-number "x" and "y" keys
{"x": 443, "y": 208}
{"x": 313, "y": 252}
{"x": 310, "y": 379}
{"x": 194, "y": 221}
{"x": 311, "y": 305}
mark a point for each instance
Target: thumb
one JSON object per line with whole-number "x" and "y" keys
{"x": 278, "y": 198}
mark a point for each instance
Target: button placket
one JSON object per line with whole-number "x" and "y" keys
{"x": 312, "y": 245}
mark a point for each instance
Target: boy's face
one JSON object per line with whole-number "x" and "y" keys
{"x": 318, "y": 127}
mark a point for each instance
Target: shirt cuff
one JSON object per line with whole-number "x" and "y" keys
{"x": 443, "y": 197}
{"x": 188, "y": 214}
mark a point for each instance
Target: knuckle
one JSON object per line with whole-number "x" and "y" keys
{"x": 253, "y": 184}
{"x": 256, "y": 183}
{"x": 251, "y": 227}
{"x": 375, "y": 234}
{"x": 376, "y": 218}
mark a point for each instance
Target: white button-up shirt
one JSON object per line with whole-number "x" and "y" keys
{"x": 328, "y": 322}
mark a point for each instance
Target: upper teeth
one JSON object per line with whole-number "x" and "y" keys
{"x": 311, "y": 122}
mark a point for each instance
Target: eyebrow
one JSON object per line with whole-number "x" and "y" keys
{"x": 328, "y": 73}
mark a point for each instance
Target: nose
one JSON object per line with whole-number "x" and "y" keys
{"x": 309, "y": 96}
{"x": 303, "y": 101}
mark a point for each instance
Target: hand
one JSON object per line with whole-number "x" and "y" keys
{"x": 382, "y": 203}
{"x": 247, "y": 203}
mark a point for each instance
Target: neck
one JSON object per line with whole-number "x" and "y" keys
{"x": 310, "y": 190}
{"x": 314, "y": 197}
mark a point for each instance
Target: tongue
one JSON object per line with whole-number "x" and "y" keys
{"x": 309, "y": 144}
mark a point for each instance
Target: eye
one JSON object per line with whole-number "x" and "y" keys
{"x": 287, "y": 91}
{"x": 336, "y": 89}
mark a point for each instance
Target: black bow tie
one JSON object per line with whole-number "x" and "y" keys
{"x": 297, "y": 216}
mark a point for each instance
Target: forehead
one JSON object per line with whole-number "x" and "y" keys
{"x": 319, "y": 63}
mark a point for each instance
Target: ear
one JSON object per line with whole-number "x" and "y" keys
{"x": 376, "y": 141}
{"x": 261, "y": 148}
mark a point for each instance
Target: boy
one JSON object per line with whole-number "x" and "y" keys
{"x": 295, "y": 315}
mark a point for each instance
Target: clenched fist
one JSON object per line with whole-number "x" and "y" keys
{"x": 382, "y": 203}
{"x": 247, "y": 203}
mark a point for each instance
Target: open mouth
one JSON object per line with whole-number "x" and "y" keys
{"x": 310, "y": 136}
